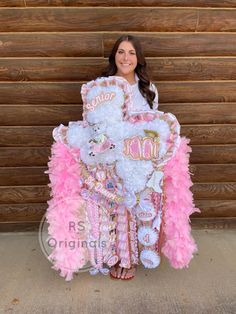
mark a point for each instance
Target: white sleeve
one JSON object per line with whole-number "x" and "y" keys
{"x": 155, "y": 101}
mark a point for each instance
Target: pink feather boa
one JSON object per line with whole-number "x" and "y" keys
{"x": 64, "y": 173}
{"x": 178, "y": 245}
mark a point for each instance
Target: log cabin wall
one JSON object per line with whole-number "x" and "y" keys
{"x": 49, "y": 48}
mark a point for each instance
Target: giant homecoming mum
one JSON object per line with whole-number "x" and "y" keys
{"x": 124, "y": 179}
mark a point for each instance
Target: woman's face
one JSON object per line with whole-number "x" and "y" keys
{"x": 125, "y": 59}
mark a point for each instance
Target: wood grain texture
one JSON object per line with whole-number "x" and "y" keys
{"x": 26, "y": 156}
{"x": 210, "y": 91}
{"x": 12, "y": 3}
{"x": 41, "y": 194}
{"x": 91, "y": 44}
{"x": 201, "y": 113}
{"x": 214, "y": 154}
{"x": 216, "y": 208}
{"x": 30, "y": 115}
{"x": 196, "y": 69}
{"x": 86, "y": 19}
{"x": 23, "y": 176}
{"x": 116, "y": 19}
{"x": 42, "y": 93}
{"x": 24, "y": 194}
{"x": 39, "y": 115}
{"x": 80, "y": 69}
{"x": 20, "y": 136}
{"x": 214, "y": 191}
{"x": 26, "y": 136}
{"x": 51, "y": 69}
{"x": 39, "y": 156}
{"x": 35, "y": 211}
{"x": 179, "y": 44}
{"x": 214, "y": 19}
{"x": 40, "y": 45}
{"x": 210, "y": 134}
{"x": 35, "y": 175}
{"x": 122, "y": 3}
{"x": 213, "y": 173}
{"x": 22, "y": 212}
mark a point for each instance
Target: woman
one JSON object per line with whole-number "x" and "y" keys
{"x": 121, "y": 168}
{"x": 127, "y": 60}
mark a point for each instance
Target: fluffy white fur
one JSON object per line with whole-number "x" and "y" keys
{"x": 134, "y": 173}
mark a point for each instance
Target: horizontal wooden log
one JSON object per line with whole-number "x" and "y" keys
{"x": 200, "y": 113}
{"x": 12, "y": 3}
{"x": 41, "y": 194}
{"x": 51, "y": 69}
{"x": 40, "y": 93}
{"x": 36, "y": 176}
{"x": 78, "y": 45}
{"x": 26, "y": 156}
{"x": 39, "y": 115}
{"x": 210, "y": 134}
{"x": 210, "y": 91}
{"x": 214, "y": 191}
{"x": 215, "y": 208}
{"x": 26, "y": 136}
{"x": 180, "y": 44}
{"x": 219, "y": 20}
{"x": 214, "y": 154}
{"x": 39, "y": 156}
{"x": 23, "y": 176}
{"x": 212, "y": 173}
{"x": 198, "y": 69}
{"x": 122, "y": 3}
{"x": 80, "y": 69}
{"x": 132, "y": 19}
{"x": 48, "y": 45}
{"x": 79, "y": 19}
{"x": 24, "y": 194}
{"x": 85, "y": 19}
{"x": 22, "y": 212}
{"x": 42, "y": 135}
{"x": 35, "y": 211}
{"x": 69, "y": 92}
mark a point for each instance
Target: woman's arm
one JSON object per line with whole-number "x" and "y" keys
{"x": 155, "y": 101}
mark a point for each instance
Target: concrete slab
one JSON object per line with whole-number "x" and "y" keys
{"x": 29, "y": 285}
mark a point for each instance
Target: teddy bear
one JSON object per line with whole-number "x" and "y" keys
{"x": 100, "y": 141}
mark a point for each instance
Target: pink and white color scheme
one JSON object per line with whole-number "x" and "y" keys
{"x": 133, "y": 198}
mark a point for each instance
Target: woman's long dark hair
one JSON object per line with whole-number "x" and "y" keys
{"x": 140, "y": 70}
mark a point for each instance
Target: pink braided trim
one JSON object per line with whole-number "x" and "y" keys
{"x": 133, "y": 239}
{"x": 123, "y": 246}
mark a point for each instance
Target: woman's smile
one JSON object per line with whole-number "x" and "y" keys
{"x": 126, "y": 61}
